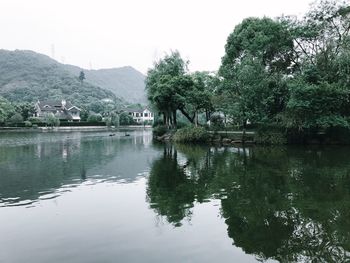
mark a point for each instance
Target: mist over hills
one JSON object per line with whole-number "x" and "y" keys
{"x": 125, "y": 82}
{"x": 29, "y": 76}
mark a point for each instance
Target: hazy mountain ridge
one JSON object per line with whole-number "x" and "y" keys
{"x": 28, "y": 76}
{"x": 125, "y": 82}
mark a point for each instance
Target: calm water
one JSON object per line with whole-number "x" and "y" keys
{"x": 89, "y": 197}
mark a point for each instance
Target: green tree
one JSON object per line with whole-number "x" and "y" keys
{"x": 81, "y": 76}
{"x": 51, "y": 120}
{"x": 321, "y": 37}
{"x": 6, "y": 109}
{"x": 316, "y": 107}
{"x": 94, "y": 117}
{"x": 25, "y": 109}
{"x": 125, "y": 119}
{"x": 258, "y": 55}
{"x": 16, "y": 118}
{"x": 166, "y": 84}
{"x": 259, "y": 38}
{"x": 200, "y": 97}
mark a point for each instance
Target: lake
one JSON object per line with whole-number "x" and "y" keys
{"x": 91, "y": 197}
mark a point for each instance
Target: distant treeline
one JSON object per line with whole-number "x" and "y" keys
{"x": 103, "y": 112}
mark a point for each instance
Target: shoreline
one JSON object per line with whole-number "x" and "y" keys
{"x": 67, "y": 128}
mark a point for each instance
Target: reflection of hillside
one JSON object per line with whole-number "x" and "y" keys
{"x": 29, "y": 171}
{"x": 287, "y": 204}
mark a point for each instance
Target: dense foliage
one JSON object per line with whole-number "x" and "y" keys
{"x": 287, "y": 72}
{"x": 26, "y": 76}
{"x": 191, "y": 134}
{"x": 172, "y": 88}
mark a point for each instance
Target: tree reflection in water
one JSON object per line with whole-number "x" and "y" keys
{"x": 287, "y": 204}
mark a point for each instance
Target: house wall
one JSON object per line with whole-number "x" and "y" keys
{"x": 144, "y": 116}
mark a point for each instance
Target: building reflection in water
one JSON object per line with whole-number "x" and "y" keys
{"x": 49, "y": 163}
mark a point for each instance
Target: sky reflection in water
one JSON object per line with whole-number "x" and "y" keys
{"x": 89, "y": 197}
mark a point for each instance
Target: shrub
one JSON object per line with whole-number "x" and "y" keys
{"x": 270, "y": 137}
{"x": 35, "y": 120}
{"x": 28, "y": 124}
{"x": 94, "y": 117}
{"x": 191, "y": 134}
{"x": 16, "y": 118}
{"x": 160, "y": 130}
{"x": 158, "y": 122}
{"x": 217, "y": 122}
{"x": 126, "y": 119}
{"x": 181, "y": 124}
{"x": 52, "y": 120}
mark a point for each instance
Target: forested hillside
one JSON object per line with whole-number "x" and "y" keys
{"x": 124, "y": 82}
{"x": 28, "y": 76}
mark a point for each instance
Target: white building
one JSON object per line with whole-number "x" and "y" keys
{"x": 142, "y": 115}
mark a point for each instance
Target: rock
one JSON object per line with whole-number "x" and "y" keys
{"x": 226, "y": 141}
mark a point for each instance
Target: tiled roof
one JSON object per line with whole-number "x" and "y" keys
{"x": 139, "y": 110}
{"x": 53, "y": 104}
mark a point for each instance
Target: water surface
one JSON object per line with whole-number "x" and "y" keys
{"x": 91, "y": 197}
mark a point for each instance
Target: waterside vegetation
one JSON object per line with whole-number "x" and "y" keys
{"x": 285, "y": 76}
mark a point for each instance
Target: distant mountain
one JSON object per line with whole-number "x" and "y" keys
{"x": 124, "y": 82}
{"x": 29, "y": 76}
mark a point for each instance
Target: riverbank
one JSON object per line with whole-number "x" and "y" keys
{"x": 212, "y": 137}
{"x": 332, "y": 136}
{"x": 77, "y": 128}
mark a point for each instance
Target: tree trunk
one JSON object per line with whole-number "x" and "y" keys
{"x": 196, "y": 119}
{"x": 164, "y": 119}
{"x": 244, "y": 128}
{"x": 174, "y": 119}
{"x": 207, "y": 116}
{"x": 187, "y": 115}
{"x": 171, "y": 124}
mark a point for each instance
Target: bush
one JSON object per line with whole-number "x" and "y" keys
{"x": 35, "y": 120}
{"x": 81, "y": 124}
{"x": 191, "y": 134}
{"x": 181, "y": 124}
{"x": 126, "y": 119}
{"x": 160, "y": 130}
{"x": 52, "y": 120}
{"x": 94, "y": 117}
{"x": 158, "y": 122}
{"x": 28, "y": 124}
{"x": 217, "y": 122}
{"x": 16, "y": 118}
{"x": 270, "y": 137}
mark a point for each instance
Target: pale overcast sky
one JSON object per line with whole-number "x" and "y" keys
{"x": 115, "y": 33}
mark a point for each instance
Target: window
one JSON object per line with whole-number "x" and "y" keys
{"x": 137, "y": 114}
{"x": 146, "y": 114}
{"x": 141, "y": 114}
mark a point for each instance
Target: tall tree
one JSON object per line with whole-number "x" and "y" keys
{"x": 6, "y": 110}
{"x": 166, "y": 85}
{"x": 81, "y": 76}
{"x": 258, "y": 57}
